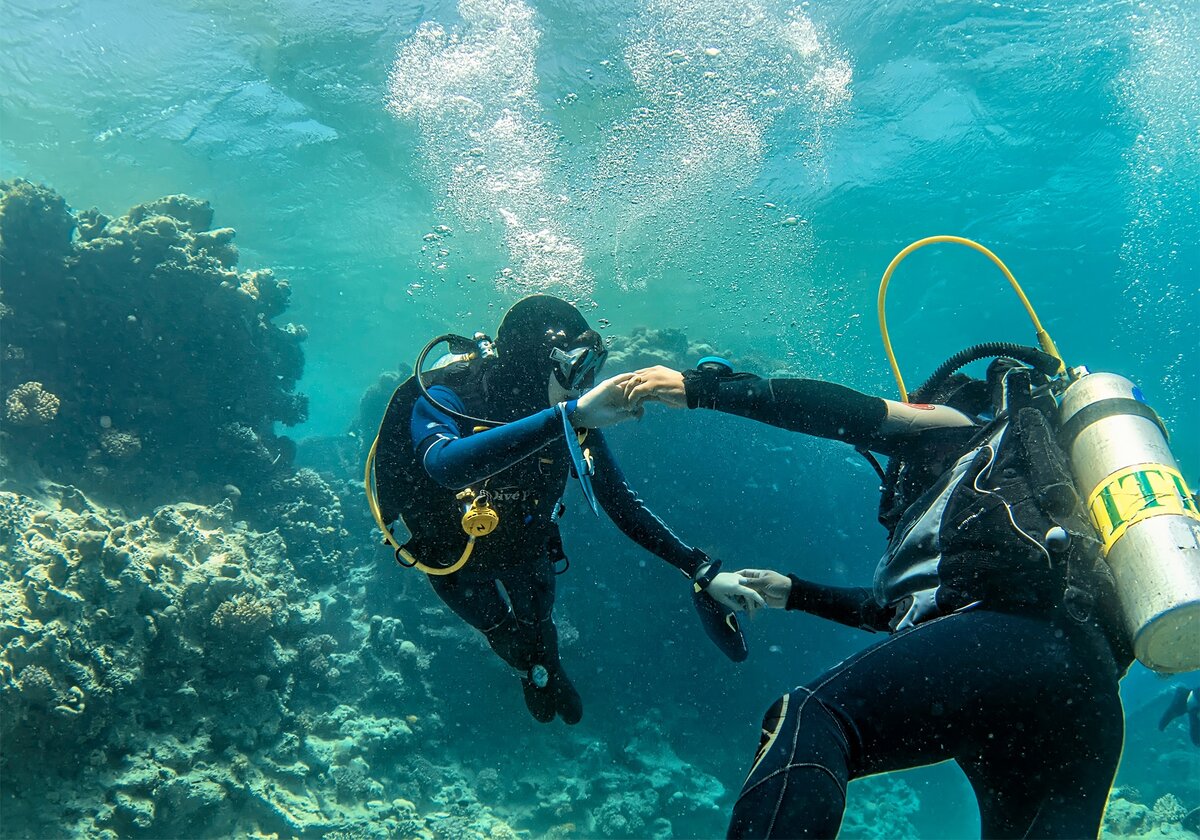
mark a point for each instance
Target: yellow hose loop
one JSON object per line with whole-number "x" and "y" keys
{"x": 1047, "y": 344}
{"x": 373, "y": 503}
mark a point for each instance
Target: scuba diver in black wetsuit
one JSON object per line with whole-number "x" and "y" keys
{"x": 1015, "y": 602}
{"x": 1006, "y": 647}
{"x": 474, "y": 456}
{"x": 1184, "y": 701}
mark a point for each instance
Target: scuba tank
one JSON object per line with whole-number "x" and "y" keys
{"x": 1146, "y": 517}
{"x": 1147, "y": 520}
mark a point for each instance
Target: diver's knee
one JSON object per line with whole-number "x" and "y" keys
{"x": 772, "y": 725}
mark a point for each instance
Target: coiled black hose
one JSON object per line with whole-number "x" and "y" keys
{"x": 1043, "y": 362}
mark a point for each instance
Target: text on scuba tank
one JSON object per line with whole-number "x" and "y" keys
{"x": 1133, "y": 494}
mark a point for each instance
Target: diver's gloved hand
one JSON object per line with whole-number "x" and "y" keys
{"x": 718, "y": 620}
{"x": 604, "y": 405}
{"x": 729, "y": 589}
{"x": 772, "y": 586}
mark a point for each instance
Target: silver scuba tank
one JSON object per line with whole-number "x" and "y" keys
{"x": 1146, "y": 516}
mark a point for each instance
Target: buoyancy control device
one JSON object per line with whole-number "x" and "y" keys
{"x": 1145, "y": 516}
{"x": 477, "y": 517}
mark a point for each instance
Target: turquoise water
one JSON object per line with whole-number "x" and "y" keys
{"x": 743, "y": 173}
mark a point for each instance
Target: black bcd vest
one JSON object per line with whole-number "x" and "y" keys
{"x": 526, "y": 495}
{"x": 1023, "y": 482}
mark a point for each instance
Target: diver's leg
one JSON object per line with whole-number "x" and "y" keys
{"x": 1045, "y": 761}
{"x": 797, "y": 784}
{"x": 478, "y": 600}
{"x": 963, "y": 686}
{"x": 486, "y": 603}
{"x": 532, "y": 589}
{"x": 877, "y": 711}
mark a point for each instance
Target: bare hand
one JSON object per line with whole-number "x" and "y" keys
{"x": 658, "y": 384}
{"x": 604, "y": 405}
{"x": 772, "y": 586}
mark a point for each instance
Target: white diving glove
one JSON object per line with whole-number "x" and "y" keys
{"x": 730, "y": 591}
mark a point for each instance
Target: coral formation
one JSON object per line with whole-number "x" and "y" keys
{"x": 153, "y": 665}
{"x": 145, "y": 345}
{"x": 1166, "y": 819}
{"x": 884, "y": 812}
{"x": 30, "y": 405}
{"x": 645, "y": 347}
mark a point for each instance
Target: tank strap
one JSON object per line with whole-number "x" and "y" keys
{"x": 1105, "y": 408}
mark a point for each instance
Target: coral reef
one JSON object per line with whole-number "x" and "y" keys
{"x": 139, "y": 362}
{"x": 645, "y": 347}
{"x": 884, "y": 813}
{"x": 1166, "y": 819}
{"x": 174, "y": 671}
{"x": 30, "y": 405}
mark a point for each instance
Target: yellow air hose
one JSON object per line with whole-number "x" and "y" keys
{"x": 373, "y": 502}
{"x": 1047, "y": 344}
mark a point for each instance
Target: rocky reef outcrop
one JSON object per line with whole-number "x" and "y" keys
{"x": 176, "y": 675}
{"x": 173, "y": 675}
{"x": 1165, "y": 819}
{"x": 137, "y": 360}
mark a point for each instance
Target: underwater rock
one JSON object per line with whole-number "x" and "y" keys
{"x": 145, "y": 345}
{"x": 308, "y": 515}
{"x": 196, "y": 214}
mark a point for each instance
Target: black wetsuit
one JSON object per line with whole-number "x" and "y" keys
{"x": 1022, "y": 696}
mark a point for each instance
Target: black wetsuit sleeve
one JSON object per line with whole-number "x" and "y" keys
{"x": 629, "y": 513}
{"x": 809, "y": 406}
{"x": 853, "y": 606}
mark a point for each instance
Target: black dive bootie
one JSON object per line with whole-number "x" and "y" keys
{"x": 567, "y": 701}
{"x": 539, "y": 699}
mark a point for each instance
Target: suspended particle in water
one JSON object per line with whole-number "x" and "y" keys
{"x": 604, "y": 323}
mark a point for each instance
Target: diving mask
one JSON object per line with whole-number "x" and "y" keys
{"x": 576, "y": 369}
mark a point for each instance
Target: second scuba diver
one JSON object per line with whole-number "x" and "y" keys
{"x": 474, "y": 458}
{"x": 1006, "y": 647}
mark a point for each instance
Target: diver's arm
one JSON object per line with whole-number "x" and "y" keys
{"x": 849, "y": 605}
{"x": 455, "y": 461}
{"x": 853, "y": 606}
{"x": 808, "y": 406}
{"x": 630, "y": 514}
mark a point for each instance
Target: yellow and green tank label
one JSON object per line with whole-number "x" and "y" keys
{"x": 1133, "y": 494}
